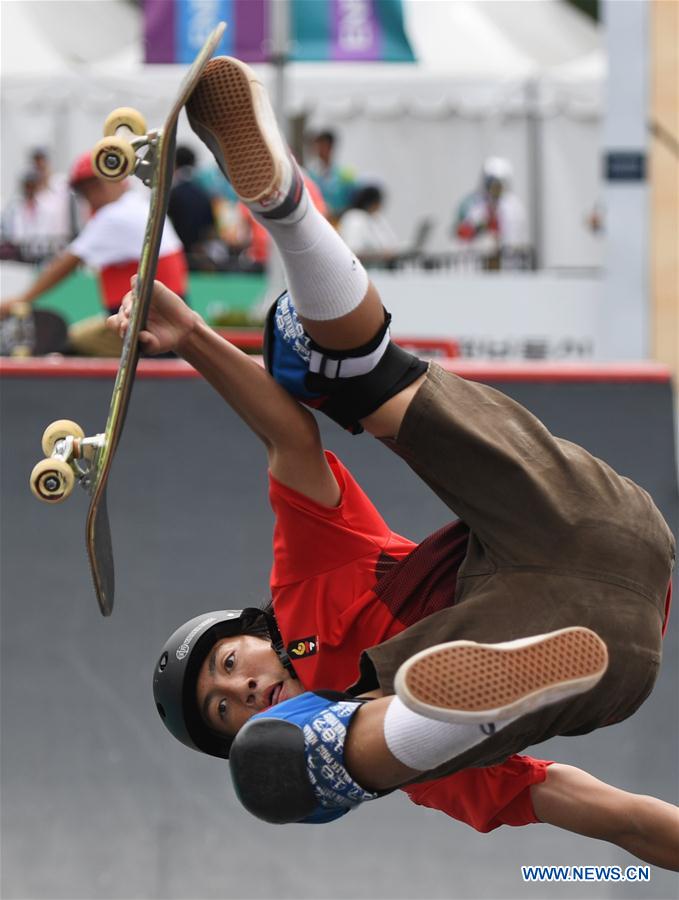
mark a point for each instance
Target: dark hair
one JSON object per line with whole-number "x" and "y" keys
{"x": 184, "y": 156}
{"x": 259, "y": 628}
{"x": 367, "y": 196}
{"x": 328, "y": 136}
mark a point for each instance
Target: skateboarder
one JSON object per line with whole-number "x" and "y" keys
{"x": 110, "y": 242}
{"x": 562, "y": 560}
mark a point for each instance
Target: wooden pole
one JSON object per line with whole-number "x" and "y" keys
{"x": 664, "y": 177}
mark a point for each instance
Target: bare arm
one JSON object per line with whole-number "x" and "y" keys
{"x": 51, "y": 275}
{"x": 644, "y": 826}
{"x": 288, "y": 430}
{"x": 568, "y": 798}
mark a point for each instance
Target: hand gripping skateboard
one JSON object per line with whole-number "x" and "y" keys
{"x": 70, "y": 456}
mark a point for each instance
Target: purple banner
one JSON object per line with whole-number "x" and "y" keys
{"x": 355, "y": 30}
{"x": 159, "y": 31}
{"x": 250, "y": 28}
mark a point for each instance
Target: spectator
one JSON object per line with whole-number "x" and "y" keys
{"x": 366, "y": 230}
{"x": 190, "y": 211}
{"x": 337, "y": 184}
{"x": 111, "y": 242}
{"x": 233, "y": 226}
{"x": 22, "y": 225}
{"x": 57, "y": 208}
{"x": 492, "y": 217}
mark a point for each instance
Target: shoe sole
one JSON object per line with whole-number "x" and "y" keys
{"x": 463, "y": 681}
{"x": 224, "y": 98}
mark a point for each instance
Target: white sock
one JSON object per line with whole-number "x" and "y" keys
{"x": 423, "y": 744}
{"x": 324, "y": 278}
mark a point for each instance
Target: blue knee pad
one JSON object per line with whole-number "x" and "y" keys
{"x": 287, "y": 351}
{"x": 287, "y": 763}
{"x": 347, "y": 385}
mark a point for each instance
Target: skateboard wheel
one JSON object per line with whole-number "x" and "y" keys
{"x": 56, "y": 431}
{"x": 125, "y": 117}
{"x": 52, "y": 480}
{"x": 114, "y": 158}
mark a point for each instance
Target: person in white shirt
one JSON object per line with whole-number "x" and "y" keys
{"x": 366, "y": 230}
{"x": 111, "y": 243}
{"x": 58, "y": 211}
{"x": 492, "y": 218}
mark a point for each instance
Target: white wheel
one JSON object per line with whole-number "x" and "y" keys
{"x": 125, "y": 117}
{"x": 56, "y": 431}
{"x": 52, "y": 480}
{"x": 114, "y": 158}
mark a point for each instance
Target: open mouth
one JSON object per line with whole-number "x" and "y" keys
{"x": 275, "y": 693}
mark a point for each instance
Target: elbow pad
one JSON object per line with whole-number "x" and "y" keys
{"x": 287, "y": 763}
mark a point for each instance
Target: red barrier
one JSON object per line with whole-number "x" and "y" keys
{"x": 251, "y": 340}
{"x": 79, "y": 367}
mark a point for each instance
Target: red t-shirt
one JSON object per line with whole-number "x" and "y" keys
{"x": 342, "y": 581}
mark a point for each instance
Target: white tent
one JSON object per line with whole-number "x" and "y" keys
{"x": 498, "y": 77}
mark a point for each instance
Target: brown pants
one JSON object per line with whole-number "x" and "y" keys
{"x": 557, "y": 539}
{"x": 91, "y": 337}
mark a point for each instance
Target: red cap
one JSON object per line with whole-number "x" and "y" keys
{"x": 82, "y": 169}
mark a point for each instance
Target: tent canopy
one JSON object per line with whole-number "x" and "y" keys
{"x": 451, "y": 38}
{"x": 485, "y": 72}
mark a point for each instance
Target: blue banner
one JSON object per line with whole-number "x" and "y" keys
{"x": 332, "y": 30}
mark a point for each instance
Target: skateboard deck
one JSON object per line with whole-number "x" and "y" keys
{"x": 34, "y": 332}
{"x": 89, "y": 460}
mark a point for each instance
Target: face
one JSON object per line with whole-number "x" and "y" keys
{"x": 98, "y": 192}
{"x": 323, "y": 149}
{"x": 29, "y": 189}
{"x": 494, "y": 188}
{"x": 41, "y": 163}
{"x": 241, "y": 676}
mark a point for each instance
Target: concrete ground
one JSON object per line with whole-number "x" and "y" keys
{"x": 97, "y": 799}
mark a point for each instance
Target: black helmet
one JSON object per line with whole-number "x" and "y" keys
{"x": 176, "y": 672}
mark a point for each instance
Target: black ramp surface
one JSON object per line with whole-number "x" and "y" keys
{"x": 97, "y": 799}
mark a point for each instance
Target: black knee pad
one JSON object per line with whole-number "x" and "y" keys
{"x": 382, "y": 369}
{"x": 346, "y": 385}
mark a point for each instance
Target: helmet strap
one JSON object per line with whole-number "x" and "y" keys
{"x": 278, "y": 645}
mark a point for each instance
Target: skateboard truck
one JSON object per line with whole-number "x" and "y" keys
{"x": 147, "y": 163}
{"x": 116, "y": 157}
{"x": 70, "y": 457}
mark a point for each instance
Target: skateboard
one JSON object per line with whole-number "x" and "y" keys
{"x": 32, "y": 332}
{"x": 70, "y": 456}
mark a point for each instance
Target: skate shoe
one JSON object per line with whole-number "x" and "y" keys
{"x": 462, "y": 681}
{"x": 231, "y": 113}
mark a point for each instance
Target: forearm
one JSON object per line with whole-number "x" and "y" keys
{"x": 268, "y": 410}
{"x": 644, "y": 826}
{"x": 654, "y": 833}
{"x": 50, "y": 276}
{"x": 288, "y": 431}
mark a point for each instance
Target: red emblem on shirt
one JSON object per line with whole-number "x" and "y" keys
{"x": 302, "y": 647}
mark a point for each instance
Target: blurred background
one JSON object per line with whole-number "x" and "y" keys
{"x": 508, "y": 170}
{"x": 511, "y": 164}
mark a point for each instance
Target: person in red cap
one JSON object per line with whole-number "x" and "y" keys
{"x": 111, "y": 244}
